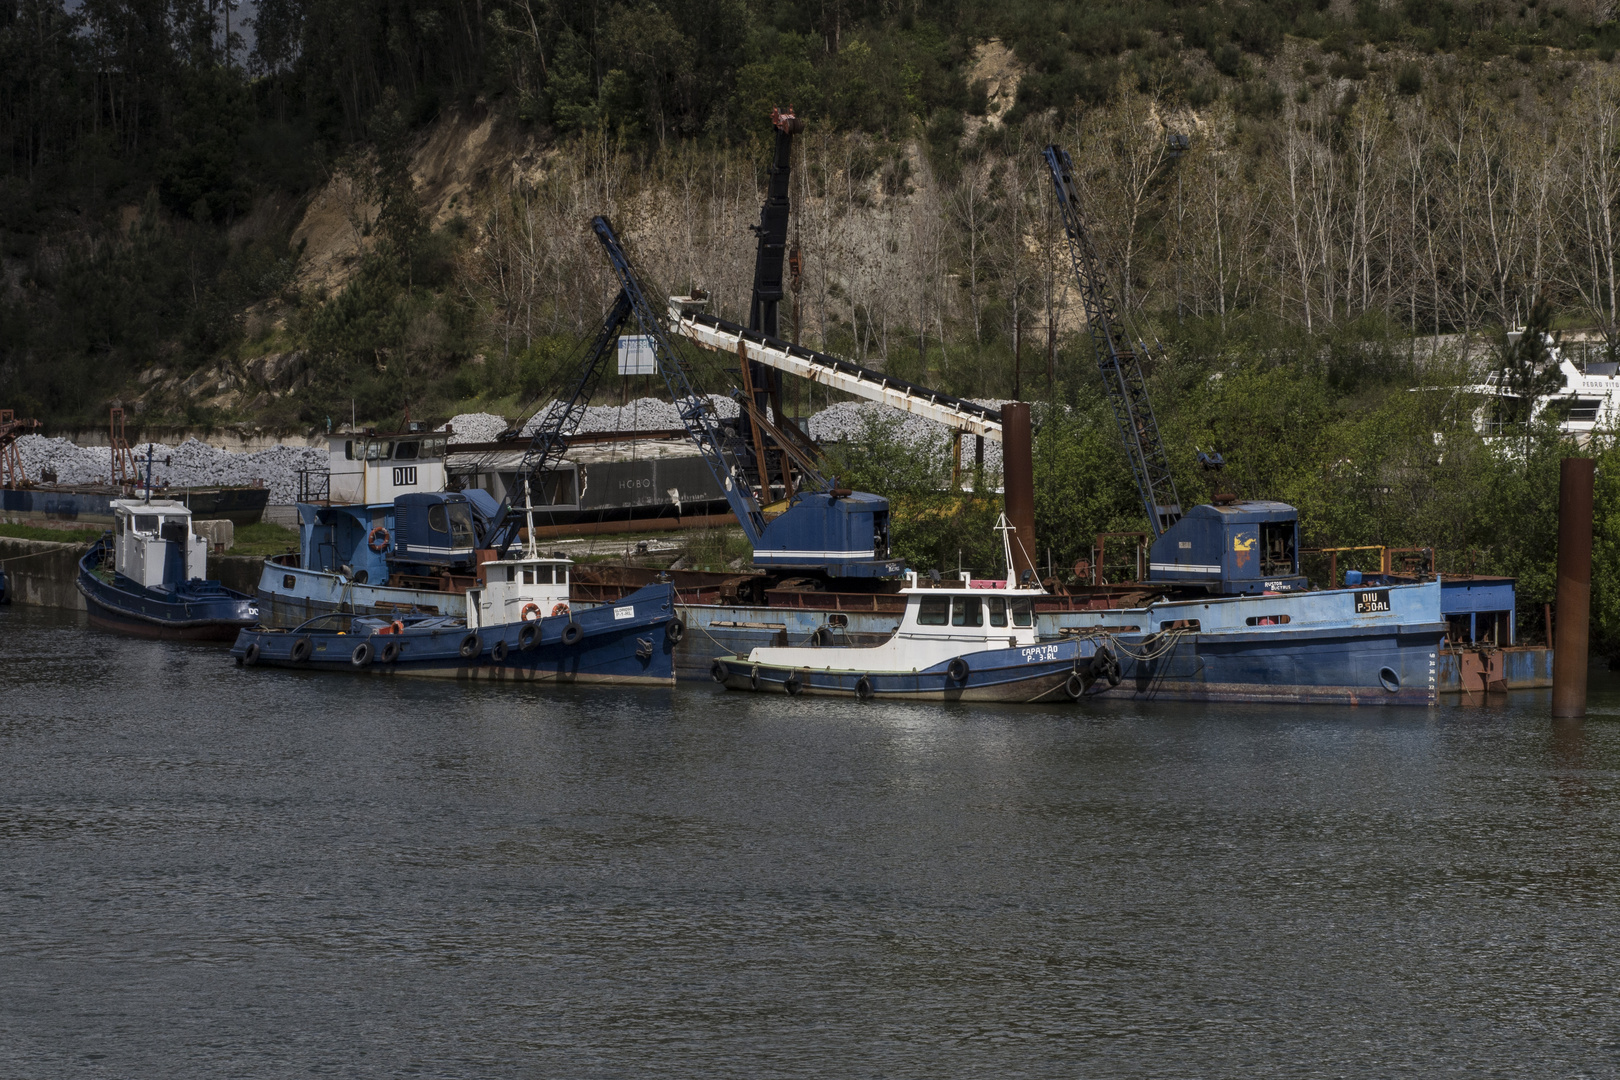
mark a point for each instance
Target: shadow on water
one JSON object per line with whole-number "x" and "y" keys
{"x": 209, "y": 870}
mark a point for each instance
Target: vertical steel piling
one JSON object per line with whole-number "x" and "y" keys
{"x": 1574, "y": 587}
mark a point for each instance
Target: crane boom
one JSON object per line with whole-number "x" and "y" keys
{"x": 695, "y": 409}
{"x": 550, "y": 440}
{"x": 956, "y": 413}
{"x": 1118, "y": 363}
{"x": 825, "y": 529}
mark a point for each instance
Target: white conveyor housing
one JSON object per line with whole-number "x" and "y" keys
{"x": 959, "y": 414}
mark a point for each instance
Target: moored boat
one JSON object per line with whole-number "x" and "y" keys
{"x": 1359, "y": 646}
{"x": 147, "y": 578}
{"x": 519, "y": 626}
{"x": 967, "y": 640}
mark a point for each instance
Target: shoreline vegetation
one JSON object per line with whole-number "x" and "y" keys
{"x": 359, "y": 209}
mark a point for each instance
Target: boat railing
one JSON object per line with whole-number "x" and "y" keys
{"x": 314, "y": 486}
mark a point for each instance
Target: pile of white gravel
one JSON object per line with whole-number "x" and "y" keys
{"x": 196, "y": 464}
{"x": 848, "y": 421}
{"x": 191, "y": 464}
{"x": 642, "y": 414}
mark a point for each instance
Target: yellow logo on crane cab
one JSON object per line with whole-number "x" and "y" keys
{"x": 1242, "y": 546}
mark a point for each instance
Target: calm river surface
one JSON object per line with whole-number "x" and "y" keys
{"x": 208, "y": 871}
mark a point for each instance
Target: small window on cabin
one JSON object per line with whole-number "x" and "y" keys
{"x": 146, "y": 523}
{"x": 1023, "y": 612}
{"x": 461, "y": 527}
{"x": 406, "y": 451}
{"x": 438, "y": 520}
{"x": 934, "y": 611}
{"x": 528, "y": 576}
{"x": 967, "y": 611}
{"x": 511, "y": 573}
{"x": 348, "y": 450}
{"x": 288, "y": 581}
{"x": 432, "y": 448}
{"x": 118, "y": 524}
{"x": 998, "y": 611}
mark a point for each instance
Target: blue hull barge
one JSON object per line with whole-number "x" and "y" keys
{"x": 520, "y": 628}
{"x": 147, "y": 579}
{"x": 1370, "y": 646}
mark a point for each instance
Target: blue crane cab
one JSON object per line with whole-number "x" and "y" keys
{"x": 1232, "y": 549}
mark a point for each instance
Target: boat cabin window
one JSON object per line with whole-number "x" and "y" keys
{"x": 438, "y": 520}
{"x": 967, "y": 611}
{"x": 433, "y": 448}
{"x": 461, "y": 527}
{"x": 406, "y": 451}
{"x": 1023, "y": 612}
{"x": 118, "y": 524}
{"x": 934, "y": 611}
{"x": 998, "y": 611}
{"x": 146, "y": 523}
{"x": 379, "y": 451}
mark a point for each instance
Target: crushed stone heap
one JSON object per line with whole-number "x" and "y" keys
{"x": 191, "y": 464}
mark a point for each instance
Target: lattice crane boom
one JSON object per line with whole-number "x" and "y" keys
{"x": 1117, "y": 361}
{"x": 695, "y": 408}
{"x": 550, "y": 440}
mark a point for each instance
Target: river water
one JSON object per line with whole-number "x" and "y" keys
{"x": 210, "y": 871}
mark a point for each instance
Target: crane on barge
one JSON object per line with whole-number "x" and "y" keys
{"x": 821, "y": 529}
{"x": 1230, "y": 548}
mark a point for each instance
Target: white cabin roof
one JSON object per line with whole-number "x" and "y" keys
{"x": 169, "y": 508}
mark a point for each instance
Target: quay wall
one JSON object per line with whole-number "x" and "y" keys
{"x": 41, "y": 573}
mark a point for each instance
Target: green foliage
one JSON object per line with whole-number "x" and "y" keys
{"x": 717, "y": 549}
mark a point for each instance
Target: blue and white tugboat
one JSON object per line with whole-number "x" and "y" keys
{"x": 970, "y": 640}
{"x": 519, "y": 626}
{"x": 148, "y": 578}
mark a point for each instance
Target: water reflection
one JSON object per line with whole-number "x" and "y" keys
{"x": 209, "y": 870}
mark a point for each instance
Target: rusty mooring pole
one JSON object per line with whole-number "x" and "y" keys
{"x": 1574, "y": 587}
{"x": 1018, "y": 482}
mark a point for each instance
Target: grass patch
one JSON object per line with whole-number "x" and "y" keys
{"x": 263, "y": 539}
{"x": 715, "y": 549}
{"x": 61, "y": 536}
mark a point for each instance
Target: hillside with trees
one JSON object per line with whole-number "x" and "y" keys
{"x": 277, "y": 214}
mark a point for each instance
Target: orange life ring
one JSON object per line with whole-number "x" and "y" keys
{"x": 378, "y": 540}
{"x": 560, "y": 609}
{"x": 530, "y": 611}
{"x": 398, "y": 627}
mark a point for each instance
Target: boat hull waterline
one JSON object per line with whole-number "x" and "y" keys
{"x": 631, "y": 642}
{"x": 1057, "y": 671}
